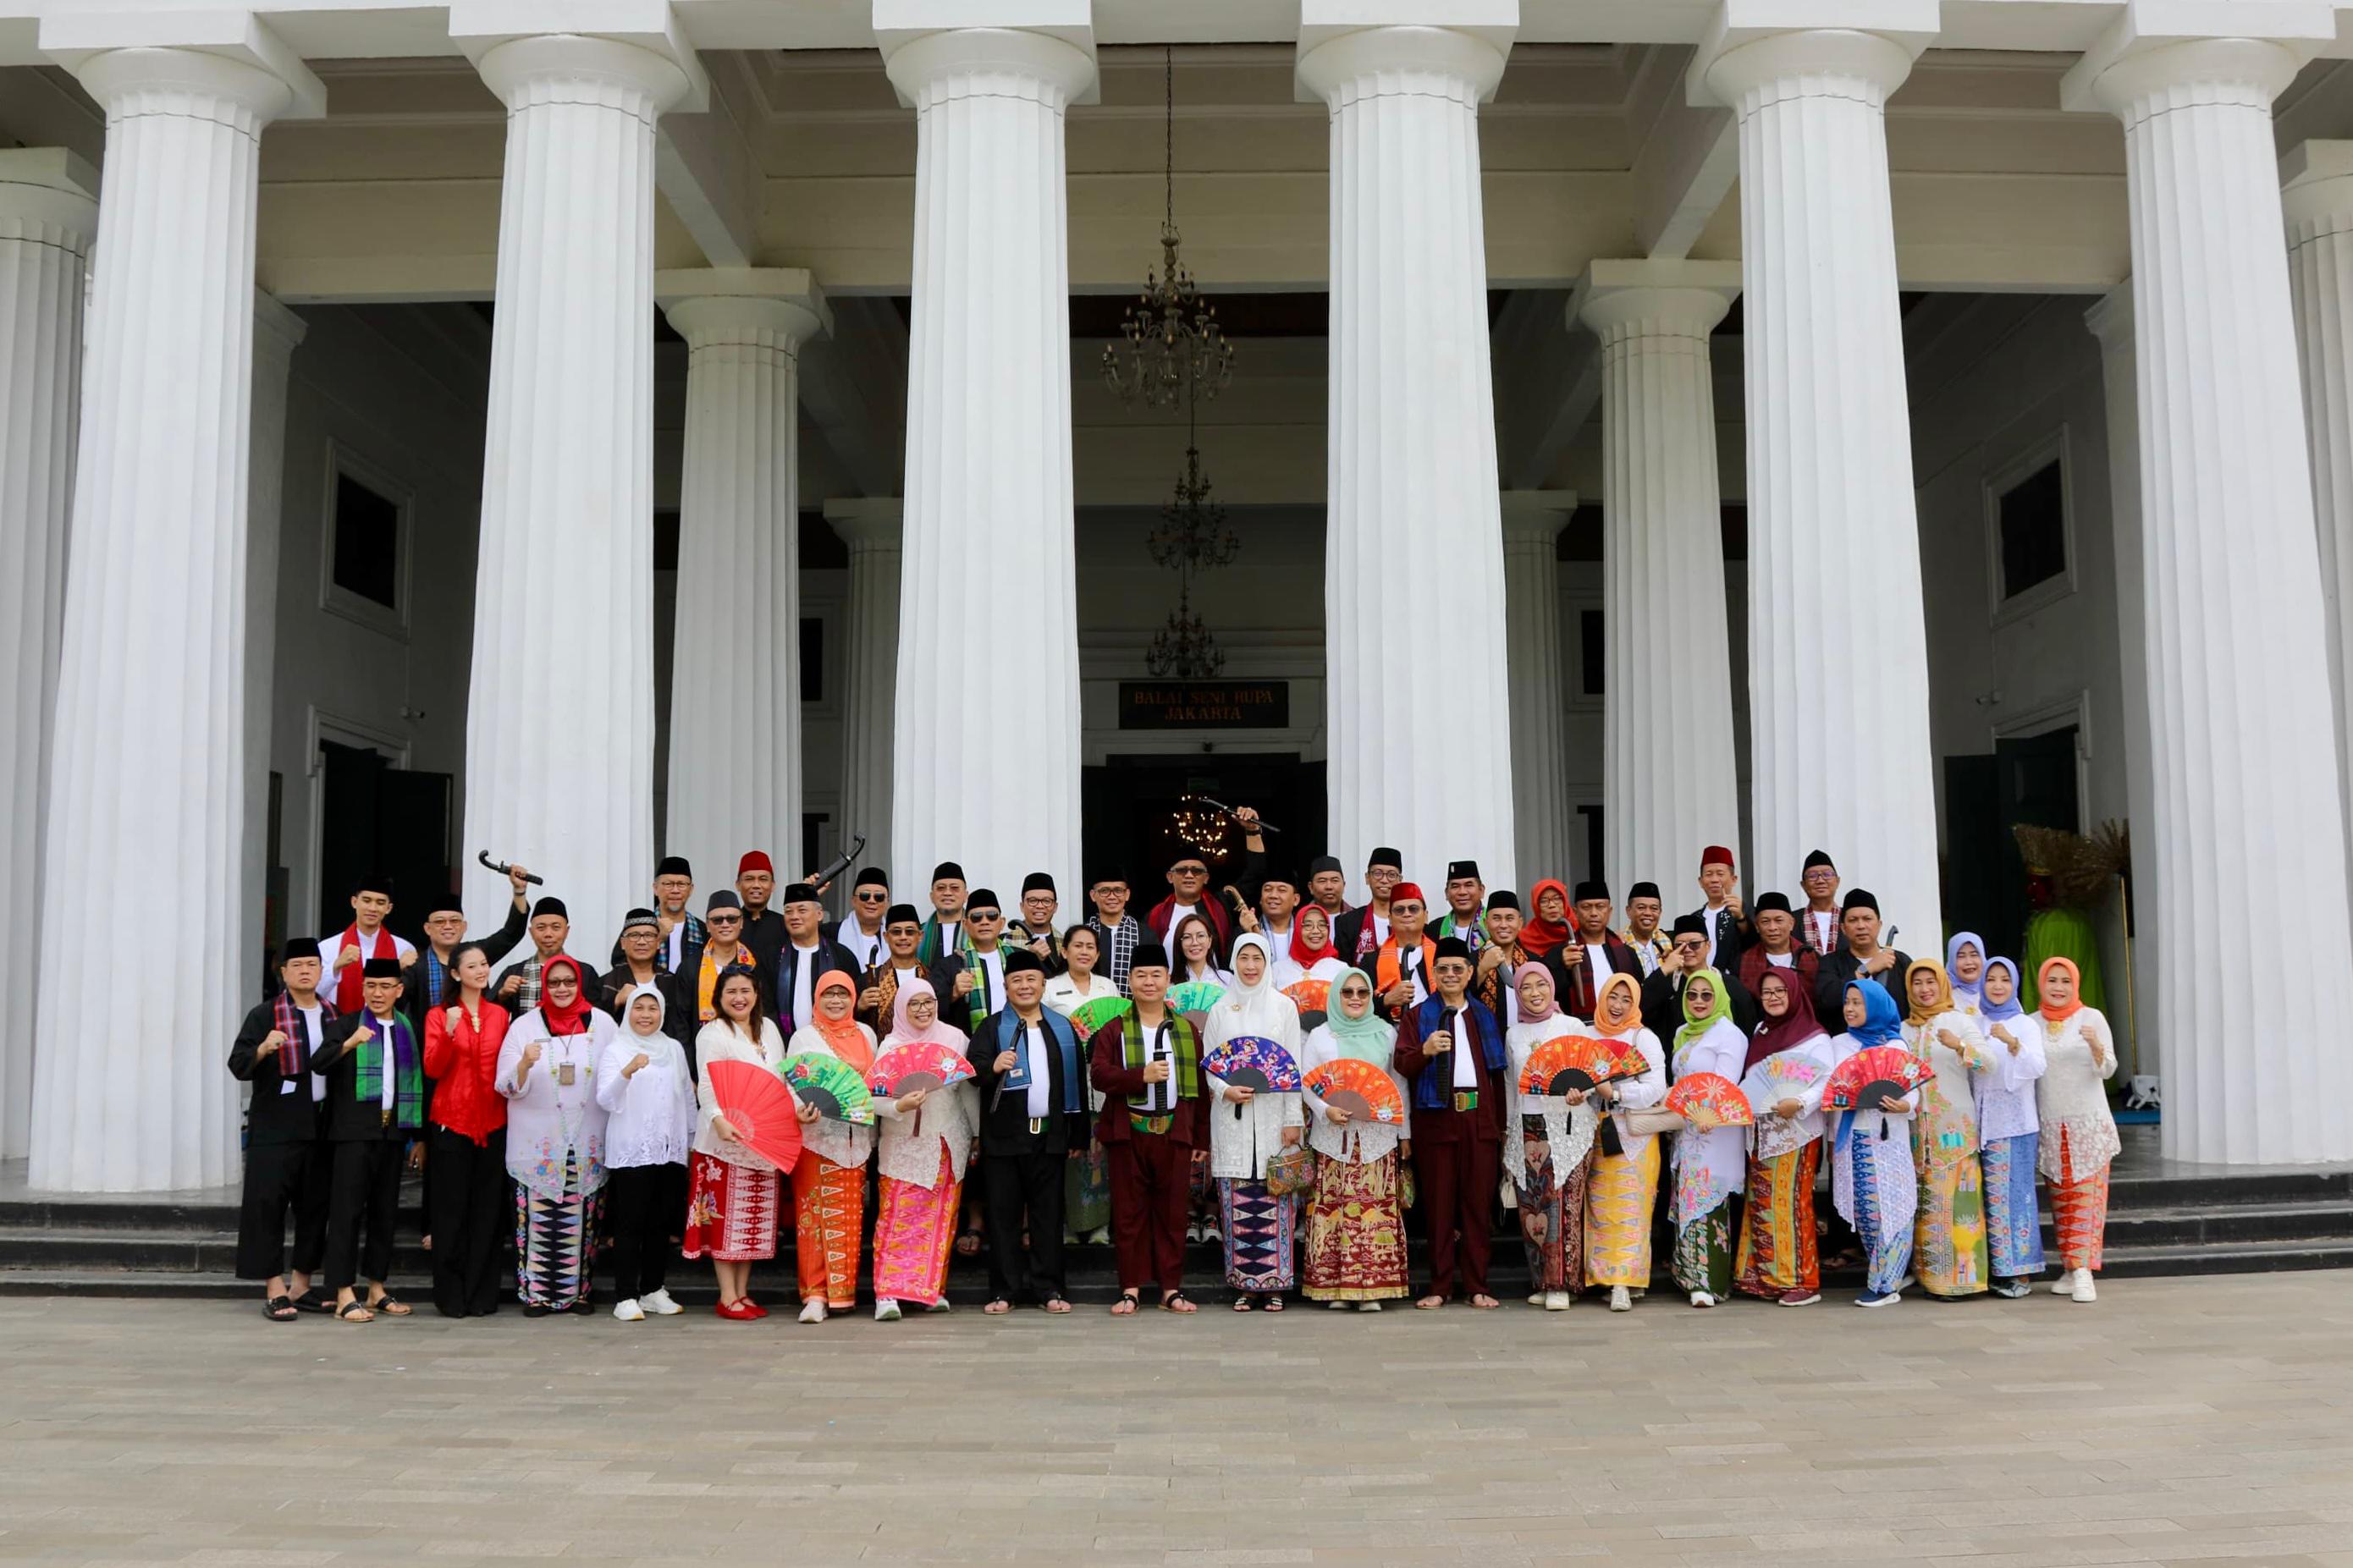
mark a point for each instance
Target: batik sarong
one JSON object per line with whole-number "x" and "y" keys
{"x": 829, "y": 1213}
{"x": 2079, "y": 1212}
{"x": 1886, "y": 1239}
{"x": 1259, "y": 1232}
{"x": 1948, "y": 1233}
{"x": 2013, "y": 1221}
{"x": 914, "y": 1235}
{"x": 1618, "y": 1202}
{"x": 1356, "y": 1232}
{"x": 1777, "y": 1246}
{"x": 1703, "y": 1260}
{"x": 1086, "y": 1194}
{"x": 555, "y": 1241}
{"x": 731, "y": 1211}
{"x": 1552, "y": 1218}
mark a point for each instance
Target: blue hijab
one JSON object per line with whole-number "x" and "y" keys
{"x": 1993, "y": 1013}
{"x": 1966, "y": 996}
{"x": 1880, "y": 1022}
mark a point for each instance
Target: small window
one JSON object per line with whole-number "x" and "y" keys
{"x": 812, "y": 659}
{"x": 367, "y": 542}
{"x": 2033, "y": 530}
{"x": 1589, "y": 631}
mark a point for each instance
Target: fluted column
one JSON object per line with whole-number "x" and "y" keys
{"x": 2246, "y": 802}
{"x": 147, "y": 773}
{"x": 1671, "y": 783}
{"x": 46, "y": 222}
{"x": 1413, "y": 575}
{"x": 734, "y": 688}
{"x": 871, "y": 529}
{"x": 2317, "y": 196}
{"x": 988, "y": 506}
{"x": 1532, "y": 523}
{"x": 277, "y": 333}
{"x": 559, "y": 705}
{"x": 1837, "y": 636}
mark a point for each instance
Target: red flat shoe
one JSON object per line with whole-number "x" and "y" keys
{"x": 752, "y": 1309}
{"x": 736, "y": 1312}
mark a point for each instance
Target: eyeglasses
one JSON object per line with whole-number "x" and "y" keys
{"x": 881, "y": 898}
{"x": 723, "y": 920}
{"x": 984, "y": 914}
{"x": 1188, "y": 870}
{"x": 1357, "y": 991}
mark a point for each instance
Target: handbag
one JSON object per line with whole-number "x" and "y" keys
{"x": 1291, "y": 1171}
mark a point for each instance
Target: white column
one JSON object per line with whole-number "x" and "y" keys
{"x": 1540, "y": 807}
{"x": 1670, "y": 782}
{"x": 734, "y": 690}
{"x": 1413, "y": 576}
{"x": 2245, "y": 803}
{"x": 560, "y": 706}
{"x": 987, "y": 724}
{"x": 871, "y": 674}
{"x": 1837, "y": 640}
{"x": 277, "y": 332}
{"x": 147, "y": 777}
{"x": 2317, "y": 196}
{"x": 46, "y": 222}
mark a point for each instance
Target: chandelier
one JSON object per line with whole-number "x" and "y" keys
{"x": 1192, "y": 536}
{"x": 1170, "y": 344}
{"x": 1184, "y": 649}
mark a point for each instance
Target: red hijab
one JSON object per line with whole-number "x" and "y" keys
{"x": 1301, "y": 953}
{"x": 572, "y": 1020}
{"x": 1794, "y": 1027}
{"x": 1538, "y": 936}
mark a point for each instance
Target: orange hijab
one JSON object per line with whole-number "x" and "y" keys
{"x": 2056, "y": 1016}
{"x": 1912, "y": 1014}
{"x": 849, "y": 1041}
{"x": 1633, "y": 1016}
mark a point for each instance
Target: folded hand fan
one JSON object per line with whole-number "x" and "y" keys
{"x": 1310, "y": 996}
{"x": 755, "y": 1102}
{"x": 1195, "y": 997}
{"x": 1310, "y": 1021}
{"x": 1777, "y": 1079}
{"x": 1577, "y": 1061}
{"x": 1858, "y": 1082}
{"x": 1089, "y": 1017}
{"x": 1360, "y": 1089}
{"x": 916, "y": 1064}
{"x": 830, "y": 1084}
{"x": 1252, "y": 1061}
{"x": 1709, "y": 1100}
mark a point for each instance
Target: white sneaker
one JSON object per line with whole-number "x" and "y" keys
{"x": 1556, "y": 1300}
{"x": 2084, "y": 1291}
{"x": 1193, "y": 1233}
{"x": 1621, "y": 1298}
{"x": 1368, "y": 1306}
{"x": 814, "y": 1312}
{"x": 2065, "y": 1284}
{"x": 659, "y": 1303}
{"x": 628, "y": 1312}
{"x": 940, "y": 1305}
{"x": 1337, "y": 1306}
{"x": 886, "y": 1311}
{"x": 1702, "y": 1298}
{"x": 1536, "y": 1298}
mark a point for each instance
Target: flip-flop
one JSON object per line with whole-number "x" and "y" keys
{"x": 1178, "y": 1301}
{"x": 1485, "y": 1303}
{"x": 391, "y": 1306}
{"x": 1242, "y": 1303}
{"x": 1274, "y": 1303}
{"x": 968, "y": 1245}
{"x": 1126, "y": 1306}
{"x": 999, "y": 1307}
{"x": 1430, "y": 1303}
{"x": 355, "y": 1311}
{"x": 279, "y": 1310}
{"x": 1056, "y": 1305}
{"x": 314, "y": 1301}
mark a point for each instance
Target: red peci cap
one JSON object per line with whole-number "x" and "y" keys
{"x": 1410, "y": 890}
{"x": 1715, "y": 855}
{"x": 756, "y": 861}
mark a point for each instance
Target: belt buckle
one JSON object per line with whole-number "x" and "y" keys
{"x": 387, "y": 1119}
{"x": 1465, "y": 1100}
{"x": 1036, "y": 1125}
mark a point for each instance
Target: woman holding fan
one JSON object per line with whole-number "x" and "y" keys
{"x": 731, "y": 1200}
{"x": 1249, "y": 1127}
{"x": 1786, "y": 1070}
{"x": 1310, "y": 955}
{"x": 829, "y": 1179}
{"x": 2078, "y": 1131}
{"x": 1355, "y": 1216}
{"x": 1624, "y": 1188}
{"x": 926, "y": 1145}
{"x": 1711, "y": 1163}
{"x": 1549, "y": 1148}
{"x": 1873, "y": 1184}
{"x": 1948, "y": 1242}
{"x": 2009, "y": 1129}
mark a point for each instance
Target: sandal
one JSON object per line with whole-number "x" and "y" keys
{"x": 1430, "y": 1303}
{"x": 1242, "y": 1303}
{"x": 355, "y": 1311}
{"x": 391, "y": 1306}
{"x": 1274, "y": 1303}
{"x": 1126, "y": 1306}
{"x": 999, "y": 1307}
{"x": 1485, "y": 1303}
{"x": 1178, "y": 1301}
{"x": 968, "y": 1244}
{"x": 315, "y": 1301}
{"x": 279, "y": 1310}
{"x": 1056, "y": 1305}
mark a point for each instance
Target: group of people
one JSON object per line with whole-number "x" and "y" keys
{"x": 573, "y": 1108}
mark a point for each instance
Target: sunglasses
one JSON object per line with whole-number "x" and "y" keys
{"x": 724, "y": 920}
{"x": 1188, "y": 870}
{"x": 881, "y": 898}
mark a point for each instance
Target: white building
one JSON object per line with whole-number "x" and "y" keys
{"x": 1927, "y": 414}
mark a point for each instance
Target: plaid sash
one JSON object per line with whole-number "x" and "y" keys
{"x": 408, "y": 1069}
{"x": 1185, "y": 1080}
{"x": 287, "y": 1021}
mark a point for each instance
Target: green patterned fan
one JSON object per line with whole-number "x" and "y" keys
{"x": 1197, "y": 995}
{"x": 1089, "y": 1017}
{"x": 830, "y": 1084}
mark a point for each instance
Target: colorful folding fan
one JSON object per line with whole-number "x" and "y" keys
{"x": 1197, "y": 995}
{"x": 1310, "y": 996}
{"x": 1777, "y": 1079}
{"x": 1360, "y": 1089}
{"x": 1858, "y": 1082}
{"x": 830, "y": 1084}
{"x": 1252, "y": 1061}
{"x": 916, "y": 1064}
{"x": 1709, "y": 1100}
{"x": 752, "y": 1101}
{"x": 1089, "y": 1017}
{"x": 1577, "y": 1061}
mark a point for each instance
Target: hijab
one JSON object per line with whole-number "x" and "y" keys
{"x": 1912, "y": 1014}
{"x": 2057, "y": 1015}
{"x": 1538, "y": 936}
{"x": 848, "y": 1040}
{"x": 1880, "y": 1022}
{"x": 1794, "y": 1027}
{"x": 572, "y": 1020}
{"x": 904, "y": 1033}
{"x": 1368, "y": 1038}
{"x": 1301, "y": 953}
{"x": 1720, "y": 1012}
{"x": 1966, "y": 994}
{"x": 1601, "y": 1012}
{"x": 1258, "y": 1008}
{"x": 1996, "y": 1013}
{"x": 629, "y": 1025}
{"x": 1534, "y": 1015}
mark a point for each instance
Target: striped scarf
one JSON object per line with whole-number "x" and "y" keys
{"x": 929, "y": 953}
{"x": 1119, "y": 941}
{"x": 288, "y": 1021}
{"x": 1132, "y": 1053}
{"x": 409, "y": 1087}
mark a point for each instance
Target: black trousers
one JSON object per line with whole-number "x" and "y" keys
{"x": 644, "y": 1204}
{"x": 280, "y": 1176}
{"x": 1025, "y": 1189}
{"x": 469, "y": 1212}
{"x": 364, "y": 1196}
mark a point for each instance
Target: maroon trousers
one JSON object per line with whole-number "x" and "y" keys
{"x": 1458, "y": 1202}
{"x": 1151, "y": 1177}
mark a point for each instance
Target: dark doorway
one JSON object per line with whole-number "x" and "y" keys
{"x": 378, "y": 818}
{"x": 2029, "y": 779}
{"x": 1139, "y": 808}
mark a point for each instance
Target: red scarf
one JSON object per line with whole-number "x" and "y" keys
{"x": 1308, "y": 957}
{"x": 1539, "y": 937}
{"x": 348, "y": 997}
{"x": 572, "y": 1020}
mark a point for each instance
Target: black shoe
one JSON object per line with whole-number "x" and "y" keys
{"x": 536, "y": 1309}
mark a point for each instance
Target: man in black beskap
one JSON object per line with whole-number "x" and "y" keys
{"x": 286, "y": 1159}
{"x": 374, "y": 1064}
{"x": 1861, "y": 957}
{"x": 902, "y": 961}
{"x": 809, "y": 953}
{"x": 1593, "y": 953}
{"x": 1662, "y": 992}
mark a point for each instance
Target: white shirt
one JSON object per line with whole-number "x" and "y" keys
{"x": 382, "y": 945}
{"x": 992, "y": 979}
{"x": 1381, "y": 929}
{"x": 1782, "y": 960}
{"x": 382, "y": 1029}
{"x": 804, "y": 979}
{"x": 1409, "y": 965}
{"x": 1158, "y": 1098}
{"x": 868, "y": 949}
{"x": 1707, "y": 918}
{"x": 1042, "y": 1080}
{"x": 318, "y": 1083}
{"x": 1597, "y": 964}
{"x": 1466, "y": 1071}
{"x": 1177, "y": 915}
{"x": 674, "y": 946}
{"x": 1824, "y": 926}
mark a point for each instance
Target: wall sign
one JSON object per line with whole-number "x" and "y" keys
{"x": 1204, "y": 704}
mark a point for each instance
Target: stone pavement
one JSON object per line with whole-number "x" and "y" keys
{"x": 2176, "y": 1421}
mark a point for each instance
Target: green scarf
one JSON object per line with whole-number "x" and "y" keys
{"x": 1694, "y": 1027}
{"x": 1131, "y": 1052}
{"x": 1369, "y": 1039}
{"x": 408, "y": 1087}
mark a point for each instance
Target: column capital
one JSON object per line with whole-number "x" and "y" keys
{"x": 710, "y": 305}
{"x": 1383, "y": 44}
{"x": 277, "y": 330}
{"x": 867, "y": 522}
{"x": 1535, "y": 517}
{"x": 1753, "y": 42}
{"x": 48, "y": 192}
{"x": 2111, "y": 321}
{"x": 631, "y": 44}
{"x": 1686, "y": 298}
{"x": 2248, "y": 52}
{"x": 2316, "y": 189}
{"x": 231, "y": 54}
{"x": 1049, "y": 42}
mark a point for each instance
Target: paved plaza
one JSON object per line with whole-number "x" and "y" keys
{"x": 2177, "y": 1421}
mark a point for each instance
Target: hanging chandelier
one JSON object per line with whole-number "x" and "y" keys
{"x": 1170, "y": 344}
{"x": 1192, "y": 535}
{"x": 1184, "y": 649}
